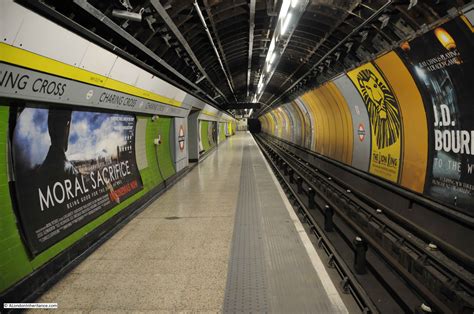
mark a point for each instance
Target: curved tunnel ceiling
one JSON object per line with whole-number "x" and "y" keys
{"x": 171, "y": 39}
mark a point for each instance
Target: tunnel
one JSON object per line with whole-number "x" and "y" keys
{"x": 237, "y": 156}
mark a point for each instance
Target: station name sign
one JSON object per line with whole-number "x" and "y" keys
{"x": 17, "y": 82}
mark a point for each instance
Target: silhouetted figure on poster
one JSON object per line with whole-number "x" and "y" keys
{"x": 56, "y": 164}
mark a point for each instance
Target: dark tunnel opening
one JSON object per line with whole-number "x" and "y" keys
{"x": 255, "y": 126}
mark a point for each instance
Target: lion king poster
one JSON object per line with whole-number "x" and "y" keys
{"x": 385, "y": 121}
{"x": 70, "y": 167}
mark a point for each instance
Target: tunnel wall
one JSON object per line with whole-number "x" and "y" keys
{"x": 406, "y": 116}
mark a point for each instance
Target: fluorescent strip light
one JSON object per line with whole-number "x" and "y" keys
{"x": 272, "y": 46}
{"x": 284, "y": 8}
{"x": 284, "y": 19}
{"x": 285, "y": 24}
{"x": 273, "y": 57}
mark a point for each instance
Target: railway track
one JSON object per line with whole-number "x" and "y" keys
{"x": 453, "y": 225}
{"x": 387, "y": 262}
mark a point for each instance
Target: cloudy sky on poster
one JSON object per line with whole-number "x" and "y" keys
{"x": 91, "y": 135}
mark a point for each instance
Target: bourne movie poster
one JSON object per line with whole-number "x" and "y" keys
{"x": 69, "y": 168}
{"x": 441, "y": 62}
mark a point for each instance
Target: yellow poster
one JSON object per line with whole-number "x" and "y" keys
{"x": 415, "y": 127}
{"x": 345, "y": 120}
{"x": 385, "y": 121}
{"x": 273, "y": 124}
{"x": 319, "y": 130}
{"x": 302, "y": 123}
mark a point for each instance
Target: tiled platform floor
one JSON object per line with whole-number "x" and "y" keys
{"x": 158, "y": 263}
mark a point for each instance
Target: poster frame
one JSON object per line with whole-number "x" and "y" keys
{"x": 20, "y": 104}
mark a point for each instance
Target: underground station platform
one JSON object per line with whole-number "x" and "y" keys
{"x": 236, "y": 248}
{"x": 251, "y": 156}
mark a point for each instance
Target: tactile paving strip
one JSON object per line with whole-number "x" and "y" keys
{"x": 269, "y": 269}
{"x": 247, "y": 286}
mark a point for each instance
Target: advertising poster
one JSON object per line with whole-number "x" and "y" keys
{"x": 70, "y": 167}
{"x": 441, "y": 62}
{"x": 415, "y": 125}
{"x": 212, "y": 133}
{"x": 297, "y": 123}
{"x": 276, "y": 128}
{"x": 201, "y": 145}
{"x": 307, "y": 118}
{"x": 221, "y": 132}
{"x": 346, "y": 119}
{"x": 317, "y": 122}
{"x": 385, "y": 121}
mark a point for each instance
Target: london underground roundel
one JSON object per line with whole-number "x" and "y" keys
{"x": 361, "y": 132}
{"x": 181, "y": 138}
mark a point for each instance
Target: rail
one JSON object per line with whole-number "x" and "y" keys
{"x": 440, "y": 277}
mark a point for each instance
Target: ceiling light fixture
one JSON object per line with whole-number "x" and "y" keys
{"x": 284, "y": 9}
{"x": 285, "y": 24}
{"x": 290, "y": 12}
{"x": 132, "y": 16}
{"x": 271, "y": 47}
{"x": 273, "y": 57}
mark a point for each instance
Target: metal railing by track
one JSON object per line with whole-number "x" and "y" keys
{"x": 437, "y": 278}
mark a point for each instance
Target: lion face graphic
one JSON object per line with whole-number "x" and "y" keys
{"x": 382, "y": 108}
{"x": 376, "y": 95}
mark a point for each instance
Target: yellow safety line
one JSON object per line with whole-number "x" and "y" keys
{"x": 34, "y": 61}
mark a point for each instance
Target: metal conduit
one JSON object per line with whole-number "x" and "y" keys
{"x": 196, "y": 5}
